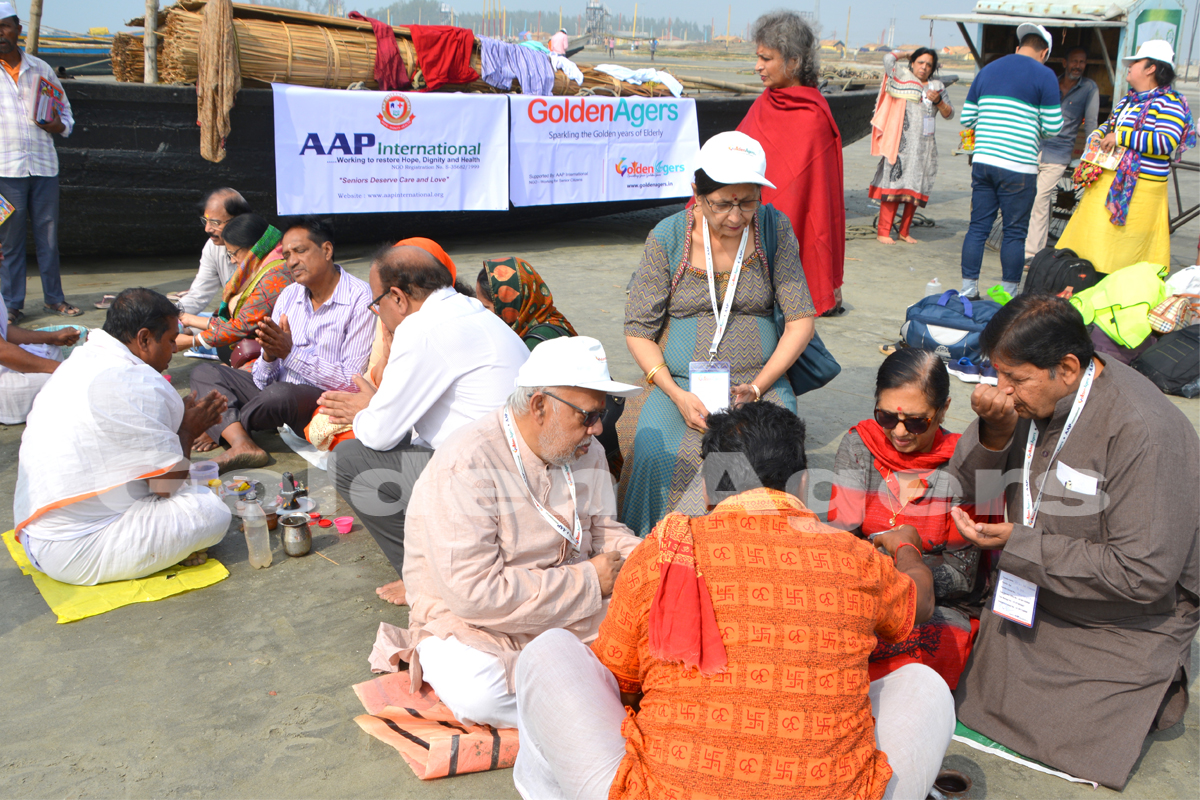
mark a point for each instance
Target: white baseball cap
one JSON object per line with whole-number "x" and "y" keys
{"x": 1158, "y": 49}
{"x": 7, "y": 10}
{"x": 733, "y": 157}
{"x": 572, "y": 361}
{"x": 1028, "y": 28}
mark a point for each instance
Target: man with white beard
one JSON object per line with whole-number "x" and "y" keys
{"x": 512, "y": 531}
{"x": 1080, "y": 106}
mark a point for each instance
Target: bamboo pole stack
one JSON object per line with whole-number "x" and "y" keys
{"x": 128, "y": 58}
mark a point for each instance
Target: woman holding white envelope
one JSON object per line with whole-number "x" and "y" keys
{"x": 699, "y": 322}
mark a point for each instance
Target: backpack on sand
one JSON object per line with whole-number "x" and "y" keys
{"x": 948, "y": 325}
{"x": 1055, "y": 270}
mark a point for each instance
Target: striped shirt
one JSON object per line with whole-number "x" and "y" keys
{"x": 1159, "y": 136}
{"x": 25, "y": 149}
{"x": 1013, "y": 104}
{"x": 330, "y": 345}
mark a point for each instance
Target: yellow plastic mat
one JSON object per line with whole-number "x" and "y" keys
{"x": 73, "y": 603}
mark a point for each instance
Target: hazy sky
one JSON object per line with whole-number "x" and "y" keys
{"x": 868, "y": 18}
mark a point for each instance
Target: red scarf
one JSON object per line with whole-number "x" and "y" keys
{"x": 683, "y": 624}
{"x": 931, "y": 519}
{"x": 804, "y": 160}
{"x": 390, "y": 72}
{"x": 444, "y": 53}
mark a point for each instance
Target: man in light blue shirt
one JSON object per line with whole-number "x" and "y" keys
{"x": 1080, "y": 106}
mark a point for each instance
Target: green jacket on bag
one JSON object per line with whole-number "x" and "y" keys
{"x": 1121, "y": 303}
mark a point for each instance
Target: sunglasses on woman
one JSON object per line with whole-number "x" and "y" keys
{"x": 888, "y": 420}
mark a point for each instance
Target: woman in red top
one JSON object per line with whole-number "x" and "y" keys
{"x": 890, "y": 480}
{"x": 792, "y": 121}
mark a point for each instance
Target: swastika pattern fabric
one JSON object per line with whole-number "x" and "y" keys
{"x": 799, "y": 606}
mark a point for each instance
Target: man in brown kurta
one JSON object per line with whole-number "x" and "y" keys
{"x": 1107, "y": 659}
{"x": 491, "y": 559}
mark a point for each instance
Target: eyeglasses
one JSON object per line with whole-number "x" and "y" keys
{"x": 216, "y": 223}
{"x": 889, "y": 420}
{"x": 373, "y": 306}
{"x": 747, "y": 206}
{"x": 590, "y": 418}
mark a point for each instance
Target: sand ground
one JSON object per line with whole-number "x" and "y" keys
{"x": 243, "y": 689}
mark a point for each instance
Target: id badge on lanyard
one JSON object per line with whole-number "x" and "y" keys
{"x": 1016, "y": 598}
{"x": 929, "y": 124}
{"x": 710, "y": 380}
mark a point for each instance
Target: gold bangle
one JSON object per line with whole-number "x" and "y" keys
{"x": 650, "y": 375}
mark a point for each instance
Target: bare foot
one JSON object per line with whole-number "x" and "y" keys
{"x": 195, "y": 559}
{"x": 909, "y": 239}
{"x": 885, "y": 240}
{"x": 203, "y": 444}
{"x": 393, "y": 593}
{"x": 246, "y": 457}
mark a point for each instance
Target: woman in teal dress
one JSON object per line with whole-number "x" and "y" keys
{"x": 670, "y": 322}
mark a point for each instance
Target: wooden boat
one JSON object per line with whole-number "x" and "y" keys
{"x": 131, "y": 173}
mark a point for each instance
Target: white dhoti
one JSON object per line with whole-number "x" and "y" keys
{"x": 151, "y": 534}
{"x": 471, "y": 683}
{"x": 17, "y": 389}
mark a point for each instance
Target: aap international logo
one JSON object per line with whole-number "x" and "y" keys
{"x": 397, "y": 113}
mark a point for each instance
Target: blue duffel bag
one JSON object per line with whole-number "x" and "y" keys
{"x": 949, "y": 325}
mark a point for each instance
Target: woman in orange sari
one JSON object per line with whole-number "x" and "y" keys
{"x": 889, "y": 482}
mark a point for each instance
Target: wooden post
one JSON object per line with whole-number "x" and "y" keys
{"x": 728, "y": 20}
{"x": 35, "y": 27}
{"x": 150, "y": 42}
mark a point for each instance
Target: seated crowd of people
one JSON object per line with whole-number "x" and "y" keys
{"x": 682, "y": 619}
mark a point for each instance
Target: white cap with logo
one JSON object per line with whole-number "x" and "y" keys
{"x": 733, "y": 157}
{"x": 1028, "y": 28}
{"x": 7, "y": 10}
{"x": 572, "y": 361}
{"x": 1158, "y": 49}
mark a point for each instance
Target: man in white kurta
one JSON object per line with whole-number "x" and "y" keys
{"x": 98, "y": 494}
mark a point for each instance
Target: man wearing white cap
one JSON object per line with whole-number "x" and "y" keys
{"x": 29, "y": 171}
{"x": 512, "y": 531}
{"x": 1013, "y": 104}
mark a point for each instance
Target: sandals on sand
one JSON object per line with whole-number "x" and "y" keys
{"x": 64, "y": 309}
{"x": 105, "y": 301}
{"x": 15, "y": 315}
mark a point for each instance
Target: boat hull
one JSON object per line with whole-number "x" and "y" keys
{"x": 131, "y": 172}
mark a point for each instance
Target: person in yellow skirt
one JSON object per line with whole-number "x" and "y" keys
{"x": 1122, "y": 218}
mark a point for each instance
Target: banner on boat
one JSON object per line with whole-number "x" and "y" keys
{"x": 596, "y": 149}
{"x": 339, "y": 152}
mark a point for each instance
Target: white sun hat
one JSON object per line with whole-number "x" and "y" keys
{"x": 1158, "y": 49}
{"x": 733, "y": 157}
{"x": 572, "y": 361}
{"x": 1028, "y": 28}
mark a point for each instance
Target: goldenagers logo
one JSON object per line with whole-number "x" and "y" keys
{"x": 637, "y": 169}
{"x": 397, "y": 113}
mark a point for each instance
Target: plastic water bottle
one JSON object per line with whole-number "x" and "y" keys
{"x": 933, "y": 287}
{"x": 258, "y": 539}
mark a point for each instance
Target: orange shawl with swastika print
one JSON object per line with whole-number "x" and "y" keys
{"x": 683, "y": 626}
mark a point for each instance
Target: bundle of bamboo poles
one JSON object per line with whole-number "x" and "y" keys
{"x": 180, "y": 44}
{"x": 598, "y": 83}
{"x": 128, "y": 58}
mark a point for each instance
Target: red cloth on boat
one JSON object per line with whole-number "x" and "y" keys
{"x": 444, "y": 53}
{"x": 804, "y": 161}
{"x": 390, "y": 72}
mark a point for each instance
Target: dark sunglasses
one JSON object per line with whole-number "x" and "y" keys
{"x": 888, "y": 420}
{"x": 590, "y": 418}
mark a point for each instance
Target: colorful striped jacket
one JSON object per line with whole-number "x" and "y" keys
{"x": 1159, "y": 136}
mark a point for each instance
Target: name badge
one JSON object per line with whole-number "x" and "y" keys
{"x": 1016, "y": 599}
{"x": 709, "y": 380}
{"x": 928, "y": 124}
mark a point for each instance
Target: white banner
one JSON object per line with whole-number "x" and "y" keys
{"x": 595, "y": 149}
{"x": 340, "y": 152}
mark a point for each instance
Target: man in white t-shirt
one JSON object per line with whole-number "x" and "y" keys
{"x": 220, "y": 206}
{"x": 451, "y": 362}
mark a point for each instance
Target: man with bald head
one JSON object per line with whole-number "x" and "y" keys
{"x": 219, "y": 206}
{"x": 451, "y": 362}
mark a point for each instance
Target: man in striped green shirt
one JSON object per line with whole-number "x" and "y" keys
{"x": 1013, "y": 104}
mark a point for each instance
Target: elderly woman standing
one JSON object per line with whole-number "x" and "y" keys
{"x": 902, "y": 134}
{"x": 1122, "y": 218}
{"x": 705, "y": 293}
{"x": 793, "y": 122}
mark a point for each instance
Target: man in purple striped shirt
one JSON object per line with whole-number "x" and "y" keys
{"x": 317, "y": 339}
